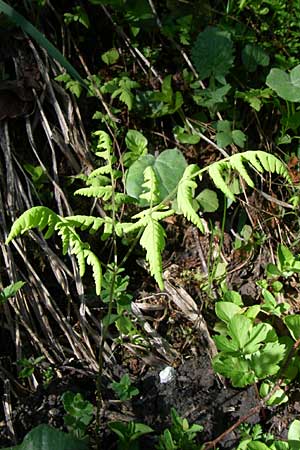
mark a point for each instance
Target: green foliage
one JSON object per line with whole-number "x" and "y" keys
{"x": 253, "y": 56}
{"x": 212, "y": 53}
{"x": 168, "y": 167}
{"x": 47, "y": 438}
{"x": 157, "y": 104}
{"x": 129, "y": 434}
{"x": 286, "y": 85}
{"x": 226, "y": 136}
{"x": 74, "y": 86}
{"x": 248, "y": 352}
{"x": 180, "y": 436}
{"x": 10, "y": 291}
{"x": 41, "y": 217}
{"x": 79, "y": 15}
{"x": 136, "y": 144}
{"x": 124, "y": 389}
{"x": 79, "y": 415}
{"x": 254, "y": 439}
{"x": 122, "y": 88}
{"x": 110, "y": 57}
{"x": 28, "y": 366}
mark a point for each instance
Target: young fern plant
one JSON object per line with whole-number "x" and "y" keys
{"x": 101, "y": 185}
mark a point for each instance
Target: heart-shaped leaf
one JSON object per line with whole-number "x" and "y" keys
{"x": 286, "y": 86}
{"x": 168, "y": 168}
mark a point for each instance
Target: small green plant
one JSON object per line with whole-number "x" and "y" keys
{"x": 79, "y": 415}
{"x": 28, "y": 366}
{"x": 124, "y": 389}
{"x": 79, "y": 15}
{"x": 248, "y": 351}
{"x": 10, "y": 291}
{"x": 254, "y": 439}
{"x": 129, "y": 434}
{"x": 180, "y": 436}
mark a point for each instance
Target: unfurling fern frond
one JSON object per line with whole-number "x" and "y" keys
{"x": 93, "y": 261}
{"x": 153, "y": 241}
{"x": 151, "y": 185}
{"x": 185, "y": 195}
{"x": 261, "y": 161}
{"x": 37, "y": 217}
{"x": 104, "y": 142}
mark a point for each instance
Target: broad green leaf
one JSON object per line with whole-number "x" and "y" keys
{"x": 136, "y": 142}
{"x": 293, "y": 323}
{"x": 257, "y": 335}
{"x": 239, "y": 138}
{"x": 294, "y": 431}
{"x": 10, "y": 291}
{"x": 264, "y": 362}
{"x": 110, "y": 57}
{"x": 239, "y": 327}
{"x": 257, "y": 445}
{"x": 168, "y": 167}
{"x": 233, "y": 297}
{"x": 212, "y": 53}
{"x": 208, "y": 200}
{"x": 225, "y": 345}
{"x": 285, "y": 85}
{"x": 285, "y": 256}
{"x": 236, "y": 369}
{"x": 226, "y": 310}
{"x": 44, "y": 437}
{"x": 253, "y": 56}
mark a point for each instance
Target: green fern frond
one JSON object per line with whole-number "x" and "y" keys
{"x": 93, "y": 261}
{"x": 85, "y": 222}
{"x": 260, "y": 160}
{"x": 72, "y": 242}
{"x": 151, "y": 185}
{"x": 104, "y": 141}
{"x": 103, "y": 170}
{"x": 185, "y": 195}
{"x": 129, "y": 227}
{"x": 37, "y": 217}
{"x": 236, "y": 162}
{"x": 104, "y": 192}
{"x": 153, "y": 241}
{"x": 215, "y": 172}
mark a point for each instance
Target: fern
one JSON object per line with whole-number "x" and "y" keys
{"x": 93, "y": 261}
{"x": 260, "y": 160}
{"x": 41, "y": 217}
{"x": 185, "y": 195}
{"x": 151, "y": 185}
{"x": 104, "y": 192}
{"x": 153, "y": 241}
{"x": 37, "y": 217}
{"x": 85, "y": 222}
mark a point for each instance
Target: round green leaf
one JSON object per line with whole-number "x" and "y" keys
{"x": 212, "y": 53}
{"x": 286, "y": 86}
{"x": 168, "y": 168}
{"x": 208, "y": 200}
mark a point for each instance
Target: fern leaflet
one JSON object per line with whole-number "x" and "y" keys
{"x": 85, "y": 222}
{"x": 185, "y": 195}
{"x": 260, "y": 160}
{"x": 93, "y": 261}
{"x": 104, "y": 192}
{"x": 152, "y": 194}
{"x": 153, "y": 241}
{"x": 37, "y": 217}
